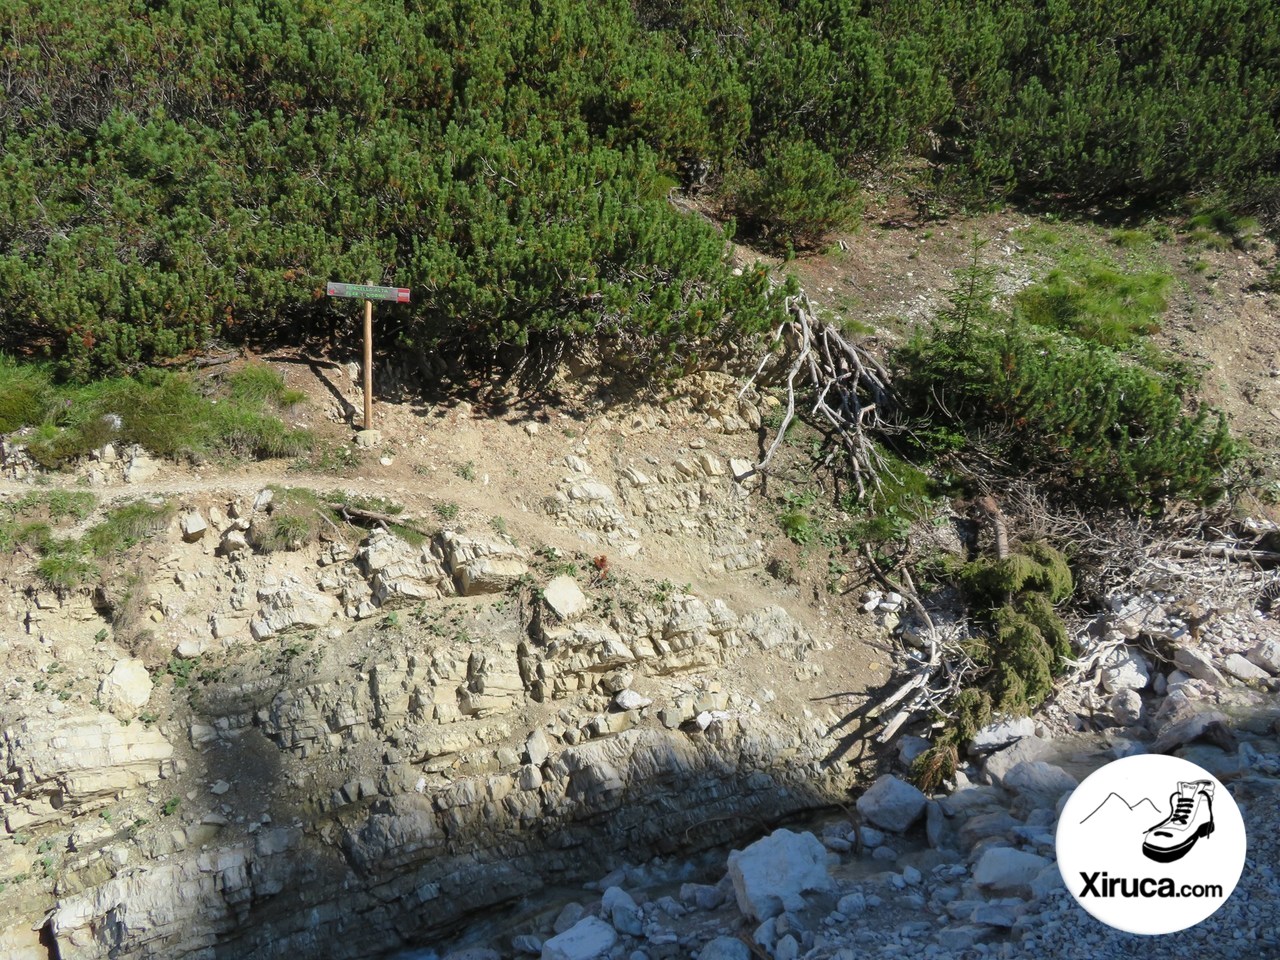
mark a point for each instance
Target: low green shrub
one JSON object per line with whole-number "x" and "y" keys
{"x": 1086, "y": 421}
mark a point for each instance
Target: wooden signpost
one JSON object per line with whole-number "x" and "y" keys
{"x": 368, "y": 293}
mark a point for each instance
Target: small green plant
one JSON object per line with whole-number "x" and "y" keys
{"x": 181, "y": 670}
{"x": 797, "y": 525}
{"x": 662, "y": 591}
{"x": 148, "y": 717}
{"x": 390, "y": 622}
{"x": 447, "y": 511}
{"x": 170, "y": 806}
{"x": 467, "y": 471}
{"x": 499, "y": 526}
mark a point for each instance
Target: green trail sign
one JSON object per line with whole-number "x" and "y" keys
{"x": 362, "y": 291}
{"x": 368, "y": 293}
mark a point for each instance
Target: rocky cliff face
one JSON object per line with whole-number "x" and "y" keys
{"x": 344, "y": 748}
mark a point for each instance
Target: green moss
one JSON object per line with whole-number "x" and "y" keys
{"x": 990, "y": 582}
{"x": 1024, "y": 663}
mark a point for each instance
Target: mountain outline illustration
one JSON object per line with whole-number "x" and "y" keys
{"x": 1130, "y": 808}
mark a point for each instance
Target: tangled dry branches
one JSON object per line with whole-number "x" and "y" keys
{"x": 850, "y": 388}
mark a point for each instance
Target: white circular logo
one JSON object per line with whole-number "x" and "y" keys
{"x": 1151, "y": 844}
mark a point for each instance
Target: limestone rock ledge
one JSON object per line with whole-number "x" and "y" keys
{"x": 55, "y": 767}
{"x": 410, "y": 867}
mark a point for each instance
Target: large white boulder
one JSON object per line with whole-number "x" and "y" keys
{"x": 773, "y": 874}
{"x": 892, "y": 804}
{"x": 288, "y": 607}
{"x": 1002, "y": 733}
{"x": 725, "y": 948}
{"x": 588, "y": 939}
{"x": 1266, "y": 655}
{"x": 126, "y": 689}
{"x": 1125, "y": 670}
{"x": 621, "y": 908}
{"x": 1008, "y": 872}
{"x": 565, "y": 598}
{"x": 192, "y": 526}
{"x": 1243, "y": 669}
{"x": 1040, "y": 781}
{"x": 1198, "y": 664}
{"x": 1126, "y": 707}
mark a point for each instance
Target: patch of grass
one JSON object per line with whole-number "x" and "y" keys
{"x": 327, "y": 459}
{"x": 64, "y": 564}
{"x": 126, "y": 526}
{"x": 377, "y": 505}
{"x": 467, "y": 471}
{"x": 242, "y": 431}
{"x": 257, "y": 384}
{"x": 1217, "y": 226}
{"x": 27, "y": 521}
{"x": 1208, "y": 239}
{"x": 62, "y": 504}
{"x": 65, "y": 570}
{"x": 170, "y": 806}
{"x": 24, "y": 394}
{"x": 1094, "y": 301}
{"x": 292, "y": 521}
{"x": 168, "y": 414}
{"x": 410, "y": 535}
{"x": 446, "y": 511}
{"x": 1131, "y": 239}
{"x": 903, "y": 497}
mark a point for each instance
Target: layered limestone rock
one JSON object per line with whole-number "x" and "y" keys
{"x": 447, "y": 770}
{"x": 55, "y": 767}
{"x": 412, "y": 866}
{"x": 399, "y": 573}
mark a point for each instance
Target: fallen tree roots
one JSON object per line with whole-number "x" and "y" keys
{"x": 850, "y": 389}
{"x": 942, "y": 674}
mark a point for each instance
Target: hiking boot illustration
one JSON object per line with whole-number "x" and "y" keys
{"x": 1190, "y": 818}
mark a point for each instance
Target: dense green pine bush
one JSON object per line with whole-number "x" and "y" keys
{"x": 1088, "y": 422}
{"x": 176, "y": 168}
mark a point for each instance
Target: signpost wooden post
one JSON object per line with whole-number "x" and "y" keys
{"x": 368, "y": 293}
